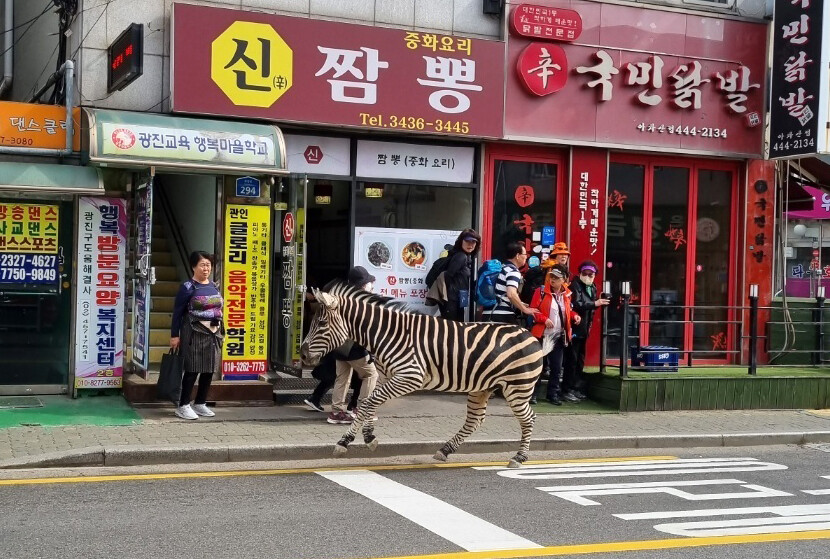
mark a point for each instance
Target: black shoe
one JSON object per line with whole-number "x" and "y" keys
{"x": 570, "y": 397}
{"x": 555, "y": 401}
{"x": 579, "y": 394}
{"x": 313, "y": 405}
{"x": 533, "y": 401}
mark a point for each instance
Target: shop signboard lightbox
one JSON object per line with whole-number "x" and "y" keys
{"x": 29, "y": 125}
{"x": 291, "y": 69}
{"x": 400, "y": 259}
{"x": 100, "y": 281}
{"x": 800, "y": 79}
{"x": 245, "y": 285}
{"x": 680, "y": 83}
{"x": 29, "y": 245}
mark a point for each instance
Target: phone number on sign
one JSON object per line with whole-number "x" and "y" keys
{"x": 415, "y": 123}
{"x": 231, "y": 367}
{"x": 703, "y": 132}
{"x": 28, "y": 268}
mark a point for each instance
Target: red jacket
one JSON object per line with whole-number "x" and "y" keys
{"x": 542, "y": 300}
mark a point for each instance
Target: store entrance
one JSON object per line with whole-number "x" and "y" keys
{"x": 36, "y": 251}
{"x": 328, "y": 232}
{"x": 682, "y": 272}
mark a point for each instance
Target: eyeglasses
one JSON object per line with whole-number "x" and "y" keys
{"x": 589, "y": 274}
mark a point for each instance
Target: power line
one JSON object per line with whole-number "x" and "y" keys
{"x": 31, "y": 22}
{"x": 16, "y": 27}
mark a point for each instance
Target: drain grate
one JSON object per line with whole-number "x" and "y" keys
{"x": 12, "y": 402}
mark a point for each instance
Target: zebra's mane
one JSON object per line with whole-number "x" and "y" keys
{"x": 343, "y": 289}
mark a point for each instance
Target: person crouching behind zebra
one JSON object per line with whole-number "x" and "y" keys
{"x": 197, "y": 332}
{"x": 356, "y": 358}
{"x": 552, "y": 326}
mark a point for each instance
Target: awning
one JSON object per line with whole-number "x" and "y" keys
{"x": 125, "y": 139}
{"x": 44, "y": 177}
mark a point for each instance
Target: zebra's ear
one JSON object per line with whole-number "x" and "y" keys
{"x": 328, "y": 300}
{"x": 315, "y": 293}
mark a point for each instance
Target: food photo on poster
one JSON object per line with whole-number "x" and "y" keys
{"x": 400, "y": 259}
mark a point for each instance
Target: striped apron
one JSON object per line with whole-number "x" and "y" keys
{"x": 201, "y": 349}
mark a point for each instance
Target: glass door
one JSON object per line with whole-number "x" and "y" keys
{"x": 681, "y": 273}
{"x": 289, "y": 273}
{"x": 36, "y": 249}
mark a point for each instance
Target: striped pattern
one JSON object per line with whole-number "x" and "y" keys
{"x": 200, "y": 348}
{"x": 423, "y": 352}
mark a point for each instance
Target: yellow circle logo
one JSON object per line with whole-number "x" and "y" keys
{"x": 251, "y": 64}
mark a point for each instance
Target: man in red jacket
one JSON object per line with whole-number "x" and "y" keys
{"x": 552, "y": 325}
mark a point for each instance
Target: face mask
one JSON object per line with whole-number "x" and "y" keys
{"x": 587, "y": 280}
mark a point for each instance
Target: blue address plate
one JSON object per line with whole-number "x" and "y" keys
{"x": 28, "y": 268}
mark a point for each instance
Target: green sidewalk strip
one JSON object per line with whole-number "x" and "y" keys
{"x": 62, "y": 410}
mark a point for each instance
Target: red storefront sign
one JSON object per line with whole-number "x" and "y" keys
{"x": 589, "y": 205}
{"x": 257, "y": 65}
{"x": 544, "y": 22}
{"x": 543, "y": 68}
{"x": 647, "y": 78}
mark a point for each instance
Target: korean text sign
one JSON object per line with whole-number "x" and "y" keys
{"x": 798, "y": 104}
{"x": 100, "y": 281}
{"x": 28, "y": 228}
{"x": 400, "y": 259}
{"x": 249, "y": 64}
{"x": 28, "y": 125}
{"x": 696, "y": 88}
{"x": 245, "y": 290}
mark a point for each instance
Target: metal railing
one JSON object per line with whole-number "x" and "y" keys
{"x": 173, "y": 229}
{"x": 744, "y": 317}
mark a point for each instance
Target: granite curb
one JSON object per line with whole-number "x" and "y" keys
{"x": 144, "y": 455}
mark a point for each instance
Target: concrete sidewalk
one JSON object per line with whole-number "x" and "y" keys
{"x": 416, "y": 424}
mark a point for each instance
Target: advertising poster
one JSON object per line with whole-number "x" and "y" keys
{"x": 400, "y": 259}
{"x": 100, "y": 281}
{"x": 245, "y": 289}
{"x": 141, "y": 282}
{"x": 29, "y": 245}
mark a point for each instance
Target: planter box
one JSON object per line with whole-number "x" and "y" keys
{"x": 712, "y": 393}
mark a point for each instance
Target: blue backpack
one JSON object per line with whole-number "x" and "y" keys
{"x": 488, "y": 274}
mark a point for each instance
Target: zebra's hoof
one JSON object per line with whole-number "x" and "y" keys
{"x": 373, "y": 444}
{"x": 513, "y": 463}
{"x": 340, "y": 450}
{"x": 440, "y": 456}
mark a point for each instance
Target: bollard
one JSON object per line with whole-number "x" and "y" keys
{"x": 625, "y": 288}
{"x": 753, "y": 329}
{"x": 603, "y": 333}
{"x": 818, "y": 320}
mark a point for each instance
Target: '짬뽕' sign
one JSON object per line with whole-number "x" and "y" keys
{"x": 245, "y": 289}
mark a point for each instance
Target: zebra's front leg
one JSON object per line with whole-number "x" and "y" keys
{"x": 400, "y": 384}
{"x": 476, "y": 410}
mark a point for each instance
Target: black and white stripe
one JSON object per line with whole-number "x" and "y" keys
{"x": 423, "y": 352}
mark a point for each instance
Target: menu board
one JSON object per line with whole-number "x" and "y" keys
{"x": 401, "y": 258}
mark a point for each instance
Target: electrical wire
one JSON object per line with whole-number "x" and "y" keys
{"x": 31, "y": 23}
{"x": 16, "y": 27}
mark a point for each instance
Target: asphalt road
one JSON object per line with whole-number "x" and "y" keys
{"x": 687, "y": 503}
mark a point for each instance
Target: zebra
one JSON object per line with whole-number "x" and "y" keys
{"x": 418, "y": 351}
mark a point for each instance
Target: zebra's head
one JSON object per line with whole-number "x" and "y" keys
{"x": 327, "y": 331}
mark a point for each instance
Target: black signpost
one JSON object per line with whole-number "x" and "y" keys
{"x": 125, "y": 57}
{"x": 795, "y": 103}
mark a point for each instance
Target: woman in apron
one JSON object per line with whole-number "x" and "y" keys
{"x": 197, "y": 332}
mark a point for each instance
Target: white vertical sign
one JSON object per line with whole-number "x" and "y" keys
{"x": 100, "y": 284}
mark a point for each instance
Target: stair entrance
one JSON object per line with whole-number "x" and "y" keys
{"x": 184, "y": 218}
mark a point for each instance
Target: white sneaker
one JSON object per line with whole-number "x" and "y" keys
{"x": 203, "y": 410}
{"x": 186, "y": 412}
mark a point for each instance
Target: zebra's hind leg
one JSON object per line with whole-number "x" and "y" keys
{"x": 342, "y": 446}
{"x": 518, "y": 398}
{"x": 476, "y": 409}
{"x": 369, "y": 434}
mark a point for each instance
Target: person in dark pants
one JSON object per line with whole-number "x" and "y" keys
{"x": 457, "y": 275}
{"x": 585, "y": 301}
{"x": 508, "y": 287}
{"x": 552, "y": 325}
{"x": 197, "y": 332}
{"x": 325, "y": 373}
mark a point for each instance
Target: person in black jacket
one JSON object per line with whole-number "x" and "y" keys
{"x": 584, "y": 301}
{"x": 457, "y": 274}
